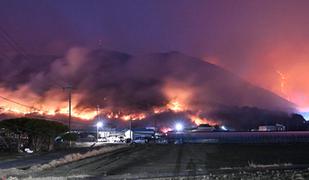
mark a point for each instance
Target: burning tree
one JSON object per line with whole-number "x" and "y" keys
{"x": 37, "y": 134}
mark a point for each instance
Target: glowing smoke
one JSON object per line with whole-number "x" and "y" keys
{"x": 130, "y": 87}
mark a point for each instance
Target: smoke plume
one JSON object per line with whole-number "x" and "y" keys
{"x": 162, "y": 88}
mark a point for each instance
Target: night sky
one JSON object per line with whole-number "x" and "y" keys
{"x": 264, "y": 42}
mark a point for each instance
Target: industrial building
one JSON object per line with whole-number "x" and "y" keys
{"x": 276, "y": 127}
{"x": 137, "y": 133}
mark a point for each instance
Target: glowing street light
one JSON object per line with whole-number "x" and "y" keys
{"x": 223, "y": 128}
{"x": 99, "y": 125}
{"x": 179, "y": 127}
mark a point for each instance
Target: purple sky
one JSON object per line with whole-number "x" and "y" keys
{"x": 195, "y": 27}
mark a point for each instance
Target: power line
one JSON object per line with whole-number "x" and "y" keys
{"x": 12, "y": 42}
{"x": 4, "y": 55}
{"x": 18, "y": 103}
{"x": 27, "y": 106}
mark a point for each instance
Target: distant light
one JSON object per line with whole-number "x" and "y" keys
{"x": 99, "y": 124}
{"x": 305, "y": 115}
{"x": 223, "y": 128}
{"x": 179, "y": 127}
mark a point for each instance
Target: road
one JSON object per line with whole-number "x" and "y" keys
{"x": 149, "y": 161}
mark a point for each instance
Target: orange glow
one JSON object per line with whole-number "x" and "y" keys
{"x": 137, "y": 116}
{"x": 61, "y": 108}
{"x": 86, "y": 115}
{"x": 53, "y": 103}
{"x": 178, "y": 95}
{"x": 289, "y": 79}
{"x": 199, "y": 120}
{"x": 165, "y": 129}
{"x": 158, "y": 110}
{"x": 125, "y": 116}
{"x": 283, "y": 82}
{"x": 175, "y": 106}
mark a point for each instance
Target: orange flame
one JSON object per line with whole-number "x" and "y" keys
{"x": 165, "y": 129}
{"x": 58, "y": 105}
{"x": 200, "y": 120}
{"x": 176, "y": 106}
{"x": 283, "y": 82}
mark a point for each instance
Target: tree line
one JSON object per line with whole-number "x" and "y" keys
{"x": 36, "y": 134}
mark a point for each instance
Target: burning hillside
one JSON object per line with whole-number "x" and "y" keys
{"x": 163, "y": 86}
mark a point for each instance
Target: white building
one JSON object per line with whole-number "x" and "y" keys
{"x": 144, "y": 133}
{"x": 104, "y": 134}
{"x": 277, "y": 127}
{"x": 111, "y": 135}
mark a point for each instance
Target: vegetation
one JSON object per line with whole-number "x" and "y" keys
{"x": 70, "y": 137}
{"x": 36, "y": 134}
{"x": 246, "y": 118}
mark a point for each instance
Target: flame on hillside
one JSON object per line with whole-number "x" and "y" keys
{"x": 55, "y": 102}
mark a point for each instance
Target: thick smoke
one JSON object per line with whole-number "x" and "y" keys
{"x": 123, "y": 83}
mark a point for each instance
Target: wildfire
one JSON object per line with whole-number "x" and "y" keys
{"x": 165, "y": 129}
{"x": 283, "y": 81}
{"x": 58, "y": 105}
{"x": 200, "y": 120}
{"x": 178, "y": 95}
{"x": 158, "y": 110}
{"x": 85, "y": 115}
{"x": 173, "y": 105}
{"x": 63, "y": 111}
{"x": 176, "y": 106}
{"x": 125, "y": 116}
{"x": 137, "y": 116}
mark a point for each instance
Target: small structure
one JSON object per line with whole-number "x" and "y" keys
{"x": 144, "y": 133}
{"x": 276, "y": 127}
{"x": 204, "y": 127}
{"x": 111, "y": 135}
{"x": 106, "y": 132}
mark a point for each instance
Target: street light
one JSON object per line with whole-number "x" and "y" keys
{"x": 99, "y": 125}
{"x": 179, "y": 127}
{"x": 223, "y": 128}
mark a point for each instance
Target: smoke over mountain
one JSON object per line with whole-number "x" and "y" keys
{"x": 167, "y": 87}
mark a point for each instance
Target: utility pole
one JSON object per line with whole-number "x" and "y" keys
{"x": 70, "y": 108}
{"x": 69, "y": 89}
{"x": 98, "y": 113}
{"x": 131, "y": 136}
{"x": 154, "y": 129}
{"x": 155, "y": 124}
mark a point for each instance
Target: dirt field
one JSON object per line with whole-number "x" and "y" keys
{"x": 199, "y": 161}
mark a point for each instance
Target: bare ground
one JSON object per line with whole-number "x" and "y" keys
{"x": 187, "y": 161}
